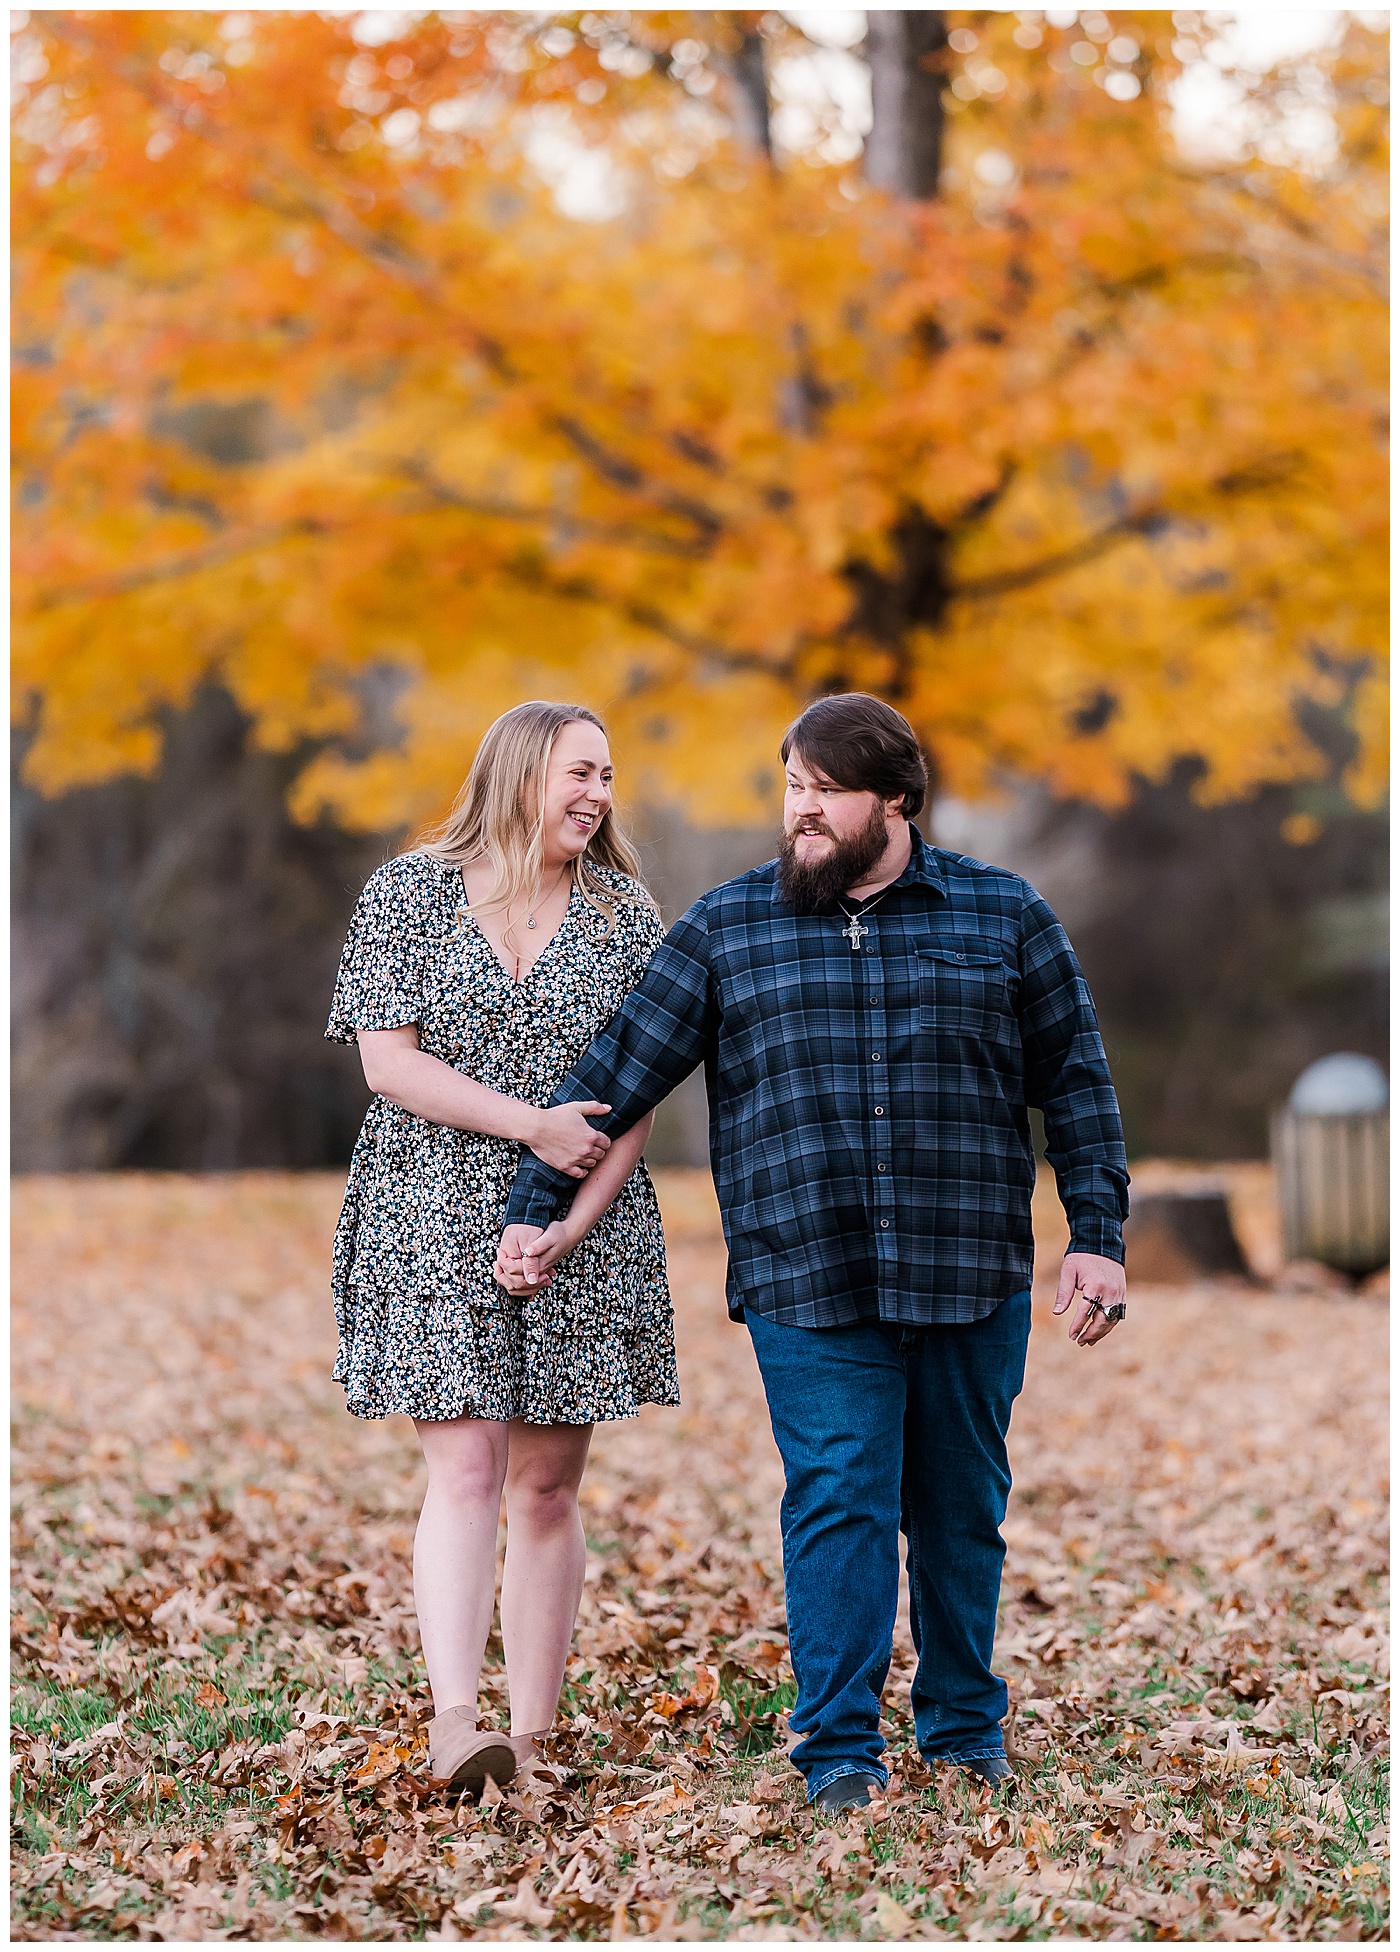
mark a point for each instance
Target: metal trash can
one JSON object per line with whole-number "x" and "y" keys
{"x": 1331, "y": 1151}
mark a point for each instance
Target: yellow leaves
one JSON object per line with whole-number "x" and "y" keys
{"x": 1368, "y": 776}
{"x": 1117, "y": 456}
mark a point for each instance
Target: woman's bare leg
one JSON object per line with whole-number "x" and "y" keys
{"x": 545, "y": 1558}
{"x": 454, "y": 1552}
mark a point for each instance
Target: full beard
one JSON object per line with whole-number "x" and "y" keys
{"x": 811, "y": 886}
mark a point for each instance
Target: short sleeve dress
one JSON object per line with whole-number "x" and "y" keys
{"x": 424, "y": 1327}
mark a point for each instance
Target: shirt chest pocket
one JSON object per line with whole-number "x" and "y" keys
{"x": 963, "y": 987}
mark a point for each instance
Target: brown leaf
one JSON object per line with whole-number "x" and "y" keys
{"x": 891, "y": 1919}
{"x": 1247, "y": 1597}
{"x": 525, "y": 1905}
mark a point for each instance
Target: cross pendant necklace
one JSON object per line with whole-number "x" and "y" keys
{"x": 855, "y": 930}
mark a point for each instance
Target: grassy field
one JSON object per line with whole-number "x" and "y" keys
{"x": 219, "y": 1704}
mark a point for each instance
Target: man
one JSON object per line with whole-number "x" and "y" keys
{"x": 875, "y": 1016}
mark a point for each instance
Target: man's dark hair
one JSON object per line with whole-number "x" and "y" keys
{"x": 862, "y": 743}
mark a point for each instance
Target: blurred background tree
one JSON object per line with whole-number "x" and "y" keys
{"x": 383, "y": 369}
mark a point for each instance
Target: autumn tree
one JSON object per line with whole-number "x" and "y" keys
{"x": 515, "y": 354}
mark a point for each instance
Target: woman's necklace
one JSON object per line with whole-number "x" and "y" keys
{"x": 530, "y": 921}
{"x": 855, "y": 932}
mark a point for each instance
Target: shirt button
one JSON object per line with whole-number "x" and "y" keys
{"x": 881, "y": 1167}
{"x": 874, "y": 1057}
{"x": 879, "y": 1111}
{"x": 884, "y": 1223}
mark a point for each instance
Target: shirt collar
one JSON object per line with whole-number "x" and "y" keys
{"x": 924, "y": 867}
{"x": 924, "y": 864}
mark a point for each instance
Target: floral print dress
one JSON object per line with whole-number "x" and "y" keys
{"x": 424, "y": 1327}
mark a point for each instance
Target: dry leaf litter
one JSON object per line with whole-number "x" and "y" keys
{"x": 220, "y": 1712}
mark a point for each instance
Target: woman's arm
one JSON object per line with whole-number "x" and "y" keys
{"x": 560, "y": 1135}
{"x": 526, "y": 1253}
{"x": 605, "y": 1182}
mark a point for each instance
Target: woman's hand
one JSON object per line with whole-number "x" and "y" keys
{"x": 397, "y": 1068}
{"x": 562, "y": 1137}
{"x": 527, "y": 1253}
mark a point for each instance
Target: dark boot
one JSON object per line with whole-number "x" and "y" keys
{"x": 846, "y": 1793}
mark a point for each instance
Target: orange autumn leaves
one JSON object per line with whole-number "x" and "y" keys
{"x": 1193, "y": 1628}
{"x": 318, "y": 390}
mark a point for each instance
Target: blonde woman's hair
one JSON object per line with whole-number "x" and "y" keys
{"x": 499, "y": 815}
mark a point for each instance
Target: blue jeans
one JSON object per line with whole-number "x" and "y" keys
{"x": 884, "y": 1429}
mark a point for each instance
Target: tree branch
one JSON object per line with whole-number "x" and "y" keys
{"x": 622, "y": 533}
{"x": 1268, "y": 472}
{"x": 708, "y": 652}
{"x": 983, "y": 504}
{"x": 1002, "y": 582}
{"x": 169, "y": 569}
{"x": 619, "y": 472}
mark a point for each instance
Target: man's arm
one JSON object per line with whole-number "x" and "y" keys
{"x": 656, "y": 1039}
{"x": 1067, "y": 1078}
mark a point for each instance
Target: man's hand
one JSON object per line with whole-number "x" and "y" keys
{"x": 1089, "y": 1277}
{"x": 526, "y": 1255}
{"x": 562, "y": 1137}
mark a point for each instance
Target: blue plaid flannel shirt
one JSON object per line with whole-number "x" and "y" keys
{"x": 868, "y": 1128}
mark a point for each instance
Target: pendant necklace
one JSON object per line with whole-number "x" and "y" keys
{"x": 530, "y": 921}
{"x": 855, "y": 931}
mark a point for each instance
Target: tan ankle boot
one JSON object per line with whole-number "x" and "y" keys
{"x": 527, "y": 1747}
{"x": 465, "y": 1755}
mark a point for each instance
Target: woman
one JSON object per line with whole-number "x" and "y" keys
{"x": 477, "y": 969}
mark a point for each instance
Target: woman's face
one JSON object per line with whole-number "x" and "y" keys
{"x": 577, "y": 791}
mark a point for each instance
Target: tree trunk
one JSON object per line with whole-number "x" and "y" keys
{"x": 911, "y": 593}
{"x": 750, "y": 93}
{"x": 175, "y": 947}
{"x": 904, "y": 152}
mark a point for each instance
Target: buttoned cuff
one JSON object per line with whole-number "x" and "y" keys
{"x": 1096, "y": 1233}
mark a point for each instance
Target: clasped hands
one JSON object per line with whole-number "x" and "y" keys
{"x": 562, "y": 1137}
{"x": 527, "y": 1253}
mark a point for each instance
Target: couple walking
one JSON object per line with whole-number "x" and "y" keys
{"x": 875, "y": 1016}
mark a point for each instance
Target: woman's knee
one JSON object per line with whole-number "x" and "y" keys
{"x": 545, "y": 1505}
{"x": 466, "y": 1464}
{"x": 543, "y": 1483}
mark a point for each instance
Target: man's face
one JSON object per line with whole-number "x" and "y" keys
{"x": 819, "y": 815}
{"x": 832, "y": 837}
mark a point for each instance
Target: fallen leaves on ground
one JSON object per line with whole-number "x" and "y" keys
{"x": 220, "y": 1710}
